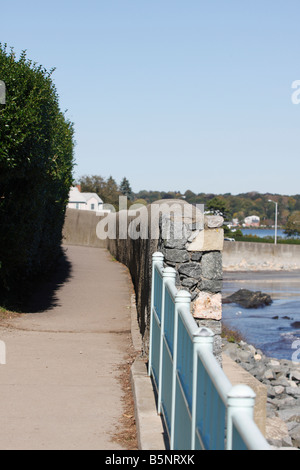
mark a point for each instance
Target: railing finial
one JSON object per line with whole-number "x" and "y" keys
{"x": 183, "y": 296}
{"x": 204, "y": 332}
{"x": 157, "y": 256}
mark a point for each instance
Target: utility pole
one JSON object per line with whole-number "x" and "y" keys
{"x": 276, "y": 218}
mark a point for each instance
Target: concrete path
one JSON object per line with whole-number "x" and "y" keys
{"x": 59, "y": 388}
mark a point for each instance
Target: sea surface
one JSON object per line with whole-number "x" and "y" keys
{"x": 265, "y": 232}
{"x": 272, "y": 328}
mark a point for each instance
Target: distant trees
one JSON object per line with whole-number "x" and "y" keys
{"x": 218, "y": 206}
{"x": 92, "y": 184}
{"x": 228, "y": 205}
{"x": 125, "y": 188}
{"x": 111, "y": 192}
{"x": 293, "y": 224}
{"x": 107, "y": 189}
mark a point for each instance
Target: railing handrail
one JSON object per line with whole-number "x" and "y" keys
{"x": 249, "y": 432}
{"x": 240, "y": 429}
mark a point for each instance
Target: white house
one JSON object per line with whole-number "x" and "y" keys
{"x": 252, "y": 221}
{"x": 84, "y": 201}
{"x": 93, "y": 201}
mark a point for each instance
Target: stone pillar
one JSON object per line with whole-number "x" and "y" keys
{"x": 192, "y": 244}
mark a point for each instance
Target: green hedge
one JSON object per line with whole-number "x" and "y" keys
{"x": 36, "y": 164}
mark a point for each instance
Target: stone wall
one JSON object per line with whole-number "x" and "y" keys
{"x": 135, "y": 252}
{"x": 190, "y": 242}
{"x": 196, "y": 255}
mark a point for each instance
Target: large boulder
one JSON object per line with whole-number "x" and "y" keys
{"x": 249, "y": 299}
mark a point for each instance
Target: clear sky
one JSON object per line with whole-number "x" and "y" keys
{"x": 173, "y": 94}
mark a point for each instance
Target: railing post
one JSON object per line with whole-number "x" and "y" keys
{"x": 157, "y": 260}
{"x": 169, "y": 274}
{"x": 203, "y": 338}
{"x": 240, "y": 398}
{"x": 182, "y": 299}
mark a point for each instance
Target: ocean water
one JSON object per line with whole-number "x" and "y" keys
{"x": 272, "y": 328}
{"x": 265, "y": 232}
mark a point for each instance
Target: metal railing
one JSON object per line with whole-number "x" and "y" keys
{"x": 200, "y": 408}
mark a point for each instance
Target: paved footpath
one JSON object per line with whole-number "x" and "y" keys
{"x": 59, "y": 388}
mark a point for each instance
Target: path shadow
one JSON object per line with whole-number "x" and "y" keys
{"x": 42, "y": 293}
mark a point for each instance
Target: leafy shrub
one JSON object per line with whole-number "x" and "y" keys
{"x": 36, "y": 163}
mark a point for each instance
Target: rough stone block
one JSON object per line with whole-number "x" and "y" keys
{"x": 215, "y": 326}
{"x": 189, "y": 282}
{"x": 209, "y": 285}
{"x": 211, "y": 264}
{"x": 174, "y": 234}
{"x": 214, "y": 221}
{"x": 196, "y": 256}
{"x": 175, "y": 255}
{"x": 208, "y": 240}
{"x": 208, "y": 306}
{"x": 192, "y": 269}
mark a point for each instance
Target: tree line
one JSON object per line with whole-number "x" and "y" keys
{"x": 230, "y": 206}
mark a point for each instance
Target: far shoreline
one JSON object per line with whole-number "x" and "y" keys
{"x": 262, "y": 274}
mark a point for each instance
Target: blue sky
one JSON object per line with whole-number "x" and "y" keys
{"x": 173, "y": 94}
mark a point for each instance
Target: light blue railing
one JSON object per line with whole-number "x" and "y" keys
{"x": 200, "y": 407}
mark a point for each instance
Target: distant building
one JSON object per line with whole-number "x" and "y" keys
{"x": 84, "y": 201}
{"x": 252, "y": 221}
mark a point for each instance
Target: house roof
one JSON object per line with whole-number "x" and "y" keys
{"x": 88, "y": 196}
{"x": 76, "y": 196}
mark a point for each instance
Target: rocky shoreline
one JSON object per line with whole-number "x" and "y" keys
{"x": 282, "y": 379}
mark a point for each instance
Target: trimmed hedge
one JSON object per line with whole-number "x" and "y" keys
{"x": 36, "y": 165}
